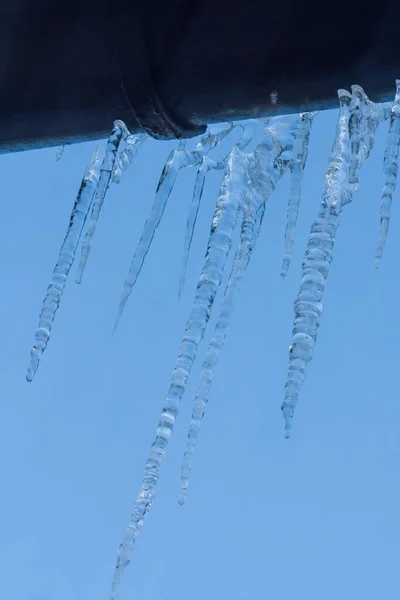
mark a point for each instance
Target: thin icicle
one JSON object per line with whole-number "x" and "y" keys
{"x": 390, "y": 168}
{"x": 59, "y": 153}
{"x": 65, "y": 259}
{"x": 207, "y": 164}
{"x": 177, "y": 160}
{"x": 125, "y": 157}
{"x": 220, "y": 242}
{"x": 357, "y": 125}
{"x": 107, "y": 168}
{"x": 255, "y": 197}
{"x": 297, "y": 166}
{"x": 318, "y": 257}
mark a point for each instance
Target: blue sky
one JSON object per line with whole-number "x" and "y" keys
{"x": 309, "y": 518}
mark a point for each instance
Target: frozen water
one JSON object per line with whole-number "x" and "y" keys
{"x": 263, "y": 171}
{"x": 219, "y": 245}
{"x": 106, "y": 171}
{"x": 390, "y": 167}
{"x": 297, "y": 166}
{"x": 279, "y": 144}
{"x": 357, "y": 125}
{"x": 125, "y": 158}
{"x": 64, "y": 263}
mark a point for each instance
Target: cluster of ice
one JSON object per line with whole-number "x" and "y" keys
{"x": 249, "y": 178}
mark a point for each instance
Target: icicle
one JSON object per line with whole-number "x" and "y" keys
{"x": 263, "y": 173}
{"x": 177, "y": 160}
{"x": 390, "y": 167}
{"x": 65, "y": 259}
{"x": 125, "y": 157}
{"x": 206, "y": 165}
{"x": 107, "y": 168}
{"x": 297, "y": 166}
{"x": 59, "y": 153}
{"x": 220, "y": 242}
{"x": 318, "y": 257}
{"x": 358, "y": 122}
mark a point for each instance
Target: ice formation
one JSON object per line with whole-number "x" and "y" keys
{"x": 248, "y": 179}
{"x": 390, "y": 167}
{"x": 108, "y": 168}
{"x": 355, "y": 134}
{"x": 64, "y": 263}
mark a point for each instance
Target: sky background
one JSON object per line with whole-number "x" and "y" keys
{"x": 308, "y": 518}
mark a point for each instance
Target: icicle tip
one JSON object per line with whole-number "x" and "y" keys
{"x": 285, "y": 266}
{"x": 287, "y": 412}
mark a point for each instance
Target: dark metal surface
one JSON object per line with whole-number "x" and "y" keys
{"x": 68, "y": 68}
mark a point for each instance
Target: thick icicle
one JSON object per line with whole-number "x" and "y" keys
{"x": 219, "y": 245}
{"x": 318, "y": 257}
{"x": 354, "y": 140}
{"x": 177, "y": 160}
{"x": 302, "y": 137}
{"x": 264, "y": 172}
{"x": 65, "y": 259}
{"x": 125, "y": 157}
{"x": 390, "y": 167}
{"x": 119, "y": 130}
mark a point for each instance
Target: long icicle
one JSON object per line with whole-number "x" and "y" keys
{"x": 65, "y": 259}
{"x": 119, "y": 130}
{"x": 355, "y": 136}
{"x": 297, "y": 167}
{"x": 177, "y": 160}
{"x": 318, "y": 257}
{"x": 390, "y": 168}
{"x": 253, "y": 214}
{"x": 219, "y": 245}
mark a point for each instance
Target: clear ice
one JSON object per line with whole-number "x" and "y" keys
{"x": 219, "y": 245}
{"x": 355, "y": 133}
{"x": 264, "y": 169}
{"x": 390, "y": 167}
{"x": 125, "y": 158}
{"x": 64, "y": 263}
{"x": 106, "y": 172}
{"x": 248, "y": 181}
{"x": 297, "y": 167}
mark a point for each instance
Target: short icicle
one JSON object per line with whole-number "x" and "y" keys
{"x": 390, "y": 168}
{"x": 318, "y": 257}
{"x": 219, "y": 245}
{"x": 119, "y": 130}
{"x": 297, "y": 166}
{"x": 65, "y": 259}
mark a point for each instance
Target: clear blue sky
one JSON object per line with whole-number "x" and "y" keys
{"x": 312, "y": 518}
